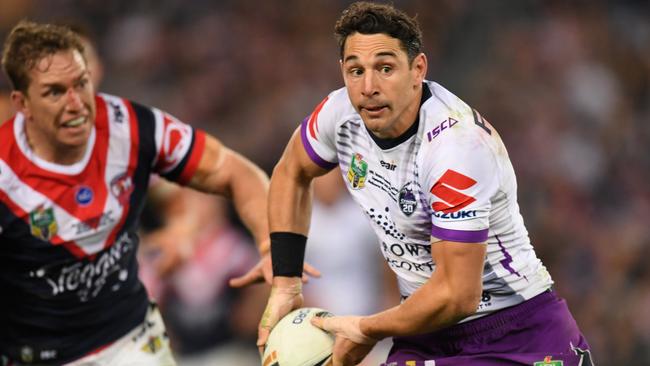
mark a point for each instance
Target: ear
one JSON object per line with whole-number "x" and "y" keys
{"x": 342, "y": 70}
{"x": 419, "y": 68}
{"x": 20, "y": 102}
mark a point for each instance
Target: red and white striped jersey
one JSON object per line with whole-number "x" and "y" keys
{"x": 68, "y": 233}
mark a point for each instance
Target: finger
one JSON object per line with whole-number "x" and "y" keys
{"x": 317, "y": 321}
{"x": 304, "y": 278}
{"x": 311, "y": 270}
{"x": 251, "y": 277}
{"x": 262, "y": 337}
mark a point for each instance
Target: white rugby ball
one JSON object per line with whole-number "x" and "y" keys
{"x": 294, "y": 341}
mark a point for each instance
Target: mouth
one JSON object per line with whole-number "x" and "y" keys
{"x": 75, "y": 122}
{"x": 373, "y": 110}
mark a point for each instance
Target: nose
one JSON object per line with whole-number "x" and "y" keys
{"x": 73, "y": 101}
{"x": 369, "y": 84}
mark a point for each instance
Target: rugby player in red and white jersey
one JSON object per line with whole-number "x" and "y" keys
{"x": 435, "y": 180}
{"x": 74, "y": 170}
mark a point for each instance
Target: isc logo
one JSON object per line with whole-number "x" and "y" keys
{"x": 448, "y": 123}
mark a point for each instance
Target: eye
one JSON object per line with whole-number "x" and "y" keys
{"x": 82, "y": 83}
{"x": 386, "y": 69}
{"x": 53, "y": 92}
{"x": 356, "y": 72}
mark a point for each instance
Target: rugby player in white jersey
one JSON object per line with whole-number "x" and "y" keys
{"x": 74, "y": 170}
{"x": 435, "y": 180}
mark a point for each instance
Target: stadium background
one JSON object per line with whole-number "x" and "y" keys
{"x": 567, "y": 84}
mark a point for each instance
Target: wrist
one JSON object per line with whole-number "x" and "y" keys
{"x": 287, "y": 284}
{"x": 288, "y": 253}
{"x": 264, "y": 247}
{"x": 367, "y": 329}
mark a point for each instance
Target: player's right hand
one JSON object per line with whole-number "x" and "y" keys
{"x": 286, "y": 295}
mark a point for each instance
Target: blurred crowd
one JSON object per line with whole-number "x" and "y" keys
{"x": 566, "y": 83}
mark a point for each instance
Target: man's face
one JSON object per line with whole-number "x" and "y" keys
{"x": 59, "y": 105}
{"x": 382, "y": 86}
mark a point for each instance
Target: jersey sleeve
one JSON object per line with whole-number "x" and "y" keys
{"x": 461, "y": 182}
{"x": 176, "y": 147}
{"x": 317, "y": 134}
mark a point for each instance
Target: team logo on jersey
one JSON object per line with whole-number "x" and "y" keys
{"x": 549, "y": 362}
{"x": 84, "y": 195}
{"x": 447, "y": 187}
{"x": 43, "y": 223}
{"x": 357, "y": 172}
{"x": 406, "y": 200}
{"x": 122, "y": 187}
{"x": 27, "y": 354}
{"x": 153, "y": 345}
{"x": 177, "y": 138}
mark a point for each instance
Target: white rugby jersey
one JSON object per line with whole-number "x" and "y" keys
{"x": 447, "y": 178}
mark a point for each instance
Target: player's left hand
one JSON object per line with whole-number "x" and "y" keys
{"x": 174, "y": 247}
{"x": 263, "y": 272}
{"x": 351, "y": 345}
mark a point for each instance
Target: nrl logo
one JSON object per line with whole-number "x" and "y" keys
{"x": 357, "y": 172}
{"x": 43, "y": 223}
{"x": 548, "y": 361}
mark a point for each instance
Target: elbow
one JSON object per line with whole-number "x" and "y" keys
{"x": 466, "y": 304}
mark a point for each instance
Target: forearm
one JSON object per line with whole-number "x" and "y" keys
{"x": 289, "y": 201}
{"x": 248, "y": 188}
{"x": 452, "y": 293}
{"x": 433, "y": 306}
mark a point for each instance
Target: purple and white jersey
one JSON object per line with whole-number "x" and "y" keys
{"x": 447, "y": 178}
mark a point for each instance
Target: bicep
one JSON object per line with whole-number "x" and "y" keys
{"x": 296, "y": 163}
{"x": 459, "y": 265}
{"x": 211, "y": 174}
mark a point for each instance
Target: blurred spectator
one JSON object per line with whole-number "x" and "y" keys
{"x": 207, "y": 321}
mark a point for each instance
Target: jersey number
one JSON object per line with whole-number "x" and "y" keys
{"x": 479, "y": 121}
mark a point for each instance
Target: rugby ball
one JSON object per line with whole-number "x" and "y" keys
{"x": 294, "y": 341}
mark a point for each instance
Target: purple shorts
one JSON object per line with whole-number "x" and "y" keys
{"x": 537, "y": 332}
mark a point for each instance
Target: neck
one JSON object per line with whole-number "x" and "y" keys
{"x": 50, "y": 150}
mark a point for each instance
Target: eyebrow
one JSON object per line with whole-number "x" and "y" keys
{"x": 380, "y": 54}
{"x": 86, "y": 73}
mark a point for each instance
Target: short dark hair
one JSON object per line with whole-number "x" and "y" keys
{"x": 370, "y": 18}
{"x": 28, "y": 43}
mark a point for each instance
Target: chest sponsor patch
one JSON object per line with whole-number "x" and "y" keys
{"x": 84, "y": 195}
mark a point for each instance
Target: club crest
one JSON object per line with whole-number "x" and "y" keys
{"x": 406, "y": 200}
{"x": 122, "y": 187}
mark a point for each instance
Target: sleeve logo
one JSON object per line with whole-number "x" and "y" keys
{"x": 447, "y": 189}
{"x": 177, "y": 138}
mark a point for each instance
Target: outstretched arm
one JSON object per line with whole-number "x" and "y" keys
{"x": 289, "y": 217}
{"x": 225, "y": 172}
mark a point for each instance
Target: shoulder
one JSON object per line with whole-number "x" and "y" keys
{"x": 448, "y": 121}
{"x": 335, "y": 108}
